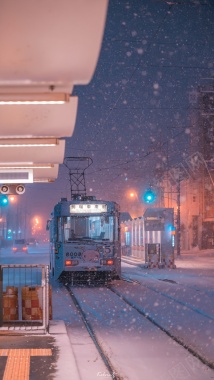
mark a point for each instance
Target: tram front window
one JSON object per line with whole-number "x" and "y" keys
{"x": 91, "y": 227}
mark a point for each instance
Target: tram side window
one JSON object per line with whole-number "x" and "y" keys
{"x": 109, "y": 228}
{"x": 94, "y": 227}
{"x": 116, "y": 229}
{"x": 59, "y": 230}
{"x": 91, "y": 227}
{"x": 101, "y": 227}
{"x": 80, "y": 227}
{"x": 75, "y": 228}
{"x": 67, "y": 228}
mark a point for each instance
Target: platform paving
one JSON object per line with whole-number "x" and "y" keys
{"x": 38, "y": 357}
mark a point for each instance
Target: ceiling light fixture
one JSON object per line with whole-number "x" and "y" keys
{"x": 26, "y": 166}
{"x": 43, "y": 180}
{"x": 34, "y": 98}
{"x": 5, "y": 143}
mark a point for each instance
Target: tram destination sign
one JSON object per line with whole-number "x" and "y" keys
{"x": 88, "y": 208}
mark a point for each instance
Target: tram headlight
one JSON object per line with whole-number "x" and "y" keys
{"x": 107, "y": 262}
{"x": 71, "y": 263}
{"x": 68, "y": 263}
{"x": 110, "y": 262}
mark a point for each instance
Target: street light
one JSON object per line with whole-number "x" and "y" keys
{"x": 132, "y": 194}
{"x": 12, "y": 199}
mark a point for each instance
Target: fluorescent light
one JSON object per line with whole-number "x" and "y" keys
{"x": 17, "y": 163}
{"x": 24, "y": 166}
{"x": 43, "y": 180}
{"x": 5, "y": 143}
{"x": 34, "y": 98}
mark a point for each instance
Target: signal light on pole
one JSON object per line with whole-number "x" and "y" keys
{"x": 4, "y": 200}
{"x": 149, "y": 196}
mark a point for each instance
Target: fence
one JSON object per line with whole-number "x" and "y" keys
{"x": 25, "y": 298}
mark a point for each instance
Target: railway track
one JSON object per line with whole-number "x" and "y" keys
{"x": 187, "y": 305}
{"x": 92, "y": 334}
{"x": 157, "y": 324}
{"x": 195, "y": 288}
{"x": 141, "y": 312}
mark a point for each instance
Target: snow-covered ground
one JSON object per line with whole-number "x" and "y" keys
{"x": 180, "y": 302}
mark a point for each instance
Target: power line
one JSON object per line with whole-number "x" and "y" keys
{"x": 153, "y": 150}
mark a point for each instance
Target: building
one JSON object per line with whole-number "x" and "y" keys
{"x": 189, "y": 187}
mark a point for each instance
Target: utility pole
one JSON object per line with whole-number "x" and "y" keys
{"x": 179, "y": 217}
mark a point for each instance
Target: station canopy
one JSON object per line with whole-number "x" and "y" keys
{"x": 46, "y": 48}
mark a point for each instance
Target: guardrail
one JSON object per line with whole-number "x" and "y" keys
{"x": 25, "y": 298}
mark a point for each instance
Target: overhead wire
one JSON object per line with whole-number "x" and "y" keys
{"x": 126, "y": 162}
{"x": 153, "y": 150}
{"x": 131, "y": 76}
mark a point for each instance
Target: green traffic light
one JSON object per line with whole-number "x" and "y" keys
{"x": 149, "y": 196}
{"x": 4, "y": 200}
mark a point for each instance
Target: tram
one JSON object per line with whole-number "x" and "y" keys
{"x": 85, "y": 240}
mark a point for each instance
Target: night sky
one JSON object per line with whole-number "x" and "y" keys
{"x": 134, "y": 117}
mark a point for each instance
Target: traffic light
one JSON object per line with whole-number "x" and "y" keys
{"x": 4, "y": 189}
{"x": 4, "y": 200}
{"x": 20, "y": 189}
{"x": 149, "y": 196}
{"x": 12, "y": 189}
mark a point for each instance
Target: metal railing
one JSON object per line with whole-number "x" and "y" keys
{"x": 25, "y": 298}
